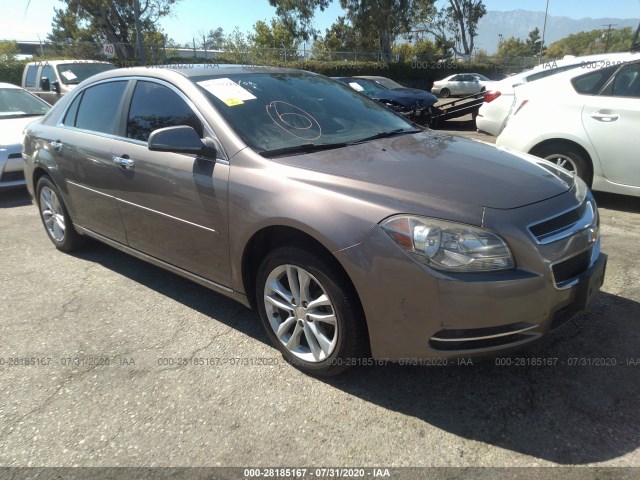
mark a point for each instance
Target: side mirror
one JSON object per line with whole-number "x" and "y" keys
{"x": 180, "y": 139}
{"x": 45, "y": 85}
{"x": 55, "y": 85}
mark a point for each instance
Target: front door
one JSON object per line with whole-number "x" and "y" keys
{"x": 174, "y": 206}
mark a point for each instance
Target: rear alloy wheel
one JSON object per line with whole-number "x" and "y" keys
{"x": 55, "y": 217}
{"x": 309, "y": 311}
{"x": 568, "y": 157}
{"x": 445, "y": 93}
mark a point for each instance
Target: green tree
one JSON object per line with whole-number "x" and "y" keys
{"x": 276, "y": 35}
{"x": 513, "y": 47}
{"x": 111, "y": 21}
{"x": 455, "y": 25}
{"x": 8, "y": 51}
{"x": 594, "y": 41}
{"x": 383, "y": 19}
{"x": 534, "y": 42}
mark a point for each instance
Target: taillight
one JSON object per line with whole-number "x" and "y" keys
{"x": 491, "y": 95}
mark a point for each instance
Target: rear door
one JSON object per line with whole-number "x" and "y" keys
{"x": 612, "y": 122}
{"x": 82, "y": 146}
{"x": 174, "y": 206}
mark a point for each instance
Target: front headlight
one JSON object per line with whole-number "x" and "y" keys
{"x": 449, "y": 246}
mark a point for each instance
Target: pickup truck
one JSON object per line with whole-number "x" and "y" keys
{"x": 51, "y": 79}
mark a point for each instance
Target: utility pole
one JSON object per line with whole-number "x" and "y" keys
{"x": 606, "y": 42}
{"x": 136, "y": 12}
{"x": 544, "y": 29}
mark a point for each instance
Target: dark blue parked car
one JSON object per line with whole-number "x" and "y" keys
{"x": 414, "y": 104}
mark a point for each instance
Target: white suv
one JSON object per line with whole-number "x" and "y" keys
{"x": 586, "y": 120}
{"x": 498, "y": 101}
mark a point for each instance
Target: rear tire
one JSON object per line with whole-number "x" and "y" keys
{"x": 445, "y": 93}
{"x": 568, "y": 157}
{"x": 55, "y": 217}
{"x": 310, "y": 311}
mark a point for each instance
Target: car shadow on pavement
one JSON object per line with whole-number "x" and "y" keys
{"x": 581, "y": 410}
{"x": 16, "y": 197}
{"x": 613, "y": 201}
{"x": 188, "y": 293}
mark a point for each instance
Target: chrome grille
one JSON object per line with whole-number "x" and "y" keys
{"x": 558, "y": 223}
{"x": 571, "y": 268}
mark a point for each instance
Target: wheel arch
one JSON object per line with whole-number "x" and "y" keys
{"x": 565, "y": 141}
{"x": 268, "y": 238}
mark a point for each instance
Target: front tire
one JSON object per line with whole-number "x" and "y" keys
{"x": 568, "y": 157}
{"x": 55, "y": 217}
{"x": 310, "y": 311}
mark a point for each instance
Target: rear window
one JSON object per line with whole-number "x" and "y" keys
{"x": 30, "y": 81}
{"x": 550, "y": 71}
{"x": 592, "y": 82}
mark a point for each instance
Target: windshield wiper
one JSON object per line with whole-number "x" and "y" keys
{"x": 390, "y": 133}
{"x": 299, "y": 149}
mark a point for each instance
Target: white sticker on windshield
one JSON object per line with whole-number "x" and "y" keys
{"x": 69, "y": 75}
{"x": 227, "y": 90}
{"x": 357, "y": 87}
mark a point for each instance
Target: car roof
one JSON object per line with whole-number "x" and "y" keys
{"x": 169, "y": 71}
{"x": 563, "y": 78}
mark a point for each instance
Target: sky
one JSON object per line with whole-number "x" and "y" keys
{"x": 191, "y": 17}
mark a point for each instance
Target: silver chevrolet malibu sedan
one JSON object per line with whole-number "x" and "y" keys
{"x": 354, "y": 233}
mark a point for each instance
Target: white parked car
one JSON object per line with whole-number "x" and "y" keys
{"x": 498, "y": 100}
{"x": 461, "y": 84}
{"x": 17, "y": 109}
{"x": 586, "y": 120}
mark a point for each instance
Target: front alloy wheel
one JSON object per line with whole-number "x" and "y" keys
{"x": 310, "y": 311}
{"x": 301, "y": 313}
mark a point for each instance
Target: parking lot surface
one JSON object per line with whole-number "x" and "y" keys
{"x": 108, "y": 361}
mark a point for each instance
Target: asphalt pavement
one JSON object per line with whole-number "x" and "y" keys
{"x": 108, "y": 361}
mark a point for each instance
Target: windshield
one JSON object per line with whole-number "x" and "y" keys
{"x": 74, "y": 73}
{"x": 388, "y": 83}
{"x": 284, "y": 111}
{"x": 15, "y": 102}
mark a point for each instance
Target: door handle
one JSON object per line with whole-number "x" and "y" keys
{"x": 605, "y": 117}
{"x": 124, "y": 161}
{"x": 57, "y": 145}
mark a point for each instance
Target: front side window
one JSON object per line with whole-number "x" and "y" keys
{"x": 98, "y": 109}
{"x": 155, "y": 106}
{"x": 591, "y": 83}
{"x": 627, "y": 82}
{"x": 49, "y": 73}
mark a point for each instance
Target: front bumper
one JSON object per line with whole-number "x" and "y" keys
{"x": 414, "y": 311}
{"x": 11, "y": 167}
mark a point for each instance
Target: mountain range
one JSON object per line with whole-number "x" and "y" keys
{"x": 518, "y": 23}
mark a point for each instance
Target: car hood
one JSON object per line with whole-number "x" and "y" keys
{"x": 427, "y": 165}
{"x": 407, "y": 96}
{"x": 11, "y": 129}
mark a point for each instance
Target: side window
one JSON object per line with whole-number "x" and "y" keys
{"x": 457, "y": 78}
{"x": 155, "y": 106}
{"x": 72, "y": 113}
{"x": 627, "y": 82}
{"x": 30, "y": 81}
{"x": 99, "y": 107}
{"x": 591, "y": 83}
{"x": 49, "y": 72}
